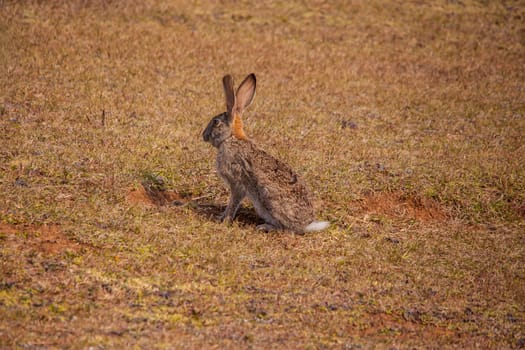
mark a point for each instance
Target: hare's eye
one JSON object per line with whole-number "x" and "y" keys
{"x": 216, "y": 121}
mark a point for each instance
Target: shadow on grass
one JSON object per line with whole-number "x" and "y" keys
{"x": 157, "y": 196}
{"x": 212, "y": 212}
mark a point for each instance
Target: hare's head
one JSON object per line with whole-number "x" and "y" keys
{"x": 229, "y": 123}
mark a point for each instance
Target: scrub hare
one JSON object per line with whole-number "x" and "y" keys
{"x": 278, "y": 194}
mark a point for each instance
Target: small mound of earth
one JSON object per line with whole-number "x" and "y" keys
{"x": 401, "y": 206}
{"x": 152, "y": 197}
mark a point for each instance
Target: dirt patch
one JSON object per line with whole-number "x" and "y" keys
{"x": 48, "y": 239}
{"x": 148, "y": 196}
{"x": 520, "y": 208}
{"x": 401, "y": 206}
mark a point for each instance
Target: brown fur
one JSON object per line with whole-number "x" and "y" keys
{"x": 267, "y": 181}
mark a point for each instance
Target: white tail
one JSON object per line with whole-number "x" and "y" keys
{"x": 316, "y": 226}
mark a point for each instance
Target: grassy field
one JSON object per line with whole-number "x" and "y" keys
{"x": 406, "y": 119}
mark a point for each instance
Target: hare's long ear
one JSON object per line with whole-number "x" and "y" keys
{"x": 245, "y": 93}
{"x": 227, "y": 82}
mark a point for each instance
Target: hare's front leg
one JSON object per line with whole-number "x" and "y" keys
{"x": 236, "y": 197}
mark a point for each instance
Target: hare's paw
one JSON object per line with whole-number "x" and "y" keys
{"x": 266, "y": 227}
{"x": 218, "y": 218}
{"x": 225, "y": 217}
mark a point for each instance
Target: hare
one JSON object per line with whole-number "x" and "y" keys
{"x": 278, "y": 194}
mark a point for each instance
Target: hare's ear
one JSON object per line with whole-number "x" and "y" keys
{"x": 227, "y": 82}
{"x": 245, "y": 93}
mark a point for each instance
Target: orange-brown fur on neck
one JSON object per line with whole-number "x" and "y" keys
{"x": 237, "y": 129}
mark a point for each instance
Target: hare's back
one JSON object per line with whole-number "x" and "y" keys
{"x": 280, "y": 188}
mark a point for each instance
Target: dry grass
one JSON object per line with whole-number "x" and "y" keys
{"x": 406, "y": 118}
